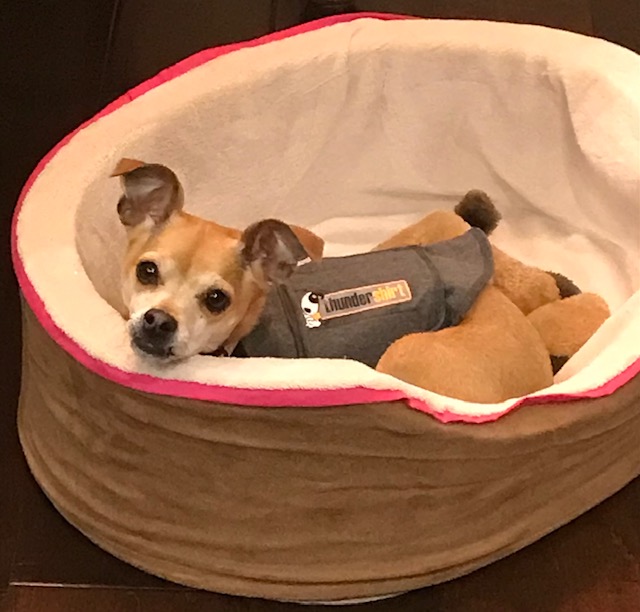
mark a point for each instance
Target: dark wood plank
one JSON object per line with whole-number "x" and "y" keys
{"x": 50, "y": 79}
{"x": 51, "y": 551}
{"x": 150, "y": 35}
{"x": 57, "y": 599}
{"x": 287, "y": 13}
{"x": 50, "y": 65}
{"x": 617, "y": 21}
{"x": 573, "y": 15}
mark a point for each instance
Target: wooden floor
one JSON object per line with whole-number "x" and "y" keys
{"x": 60, "y": 62}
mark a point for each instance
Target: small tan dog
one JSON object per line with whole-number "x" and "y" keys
{"x": 190, "y": 285}
{"x": 193, "y": 286}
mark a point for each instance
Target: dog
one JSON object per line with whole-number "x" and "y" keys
{"x": 190, "y": 285}
{"x": 193, "y": 286}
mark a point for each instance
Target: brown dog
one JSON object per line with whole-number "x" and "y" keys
{"x": 193, "y": 286}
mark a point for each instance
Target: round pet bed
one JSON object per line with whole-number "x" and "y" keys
{"x": 322, "y": 479}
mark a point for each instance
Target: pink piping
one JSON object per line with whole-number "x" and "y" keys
{"x": 238, "y": 395}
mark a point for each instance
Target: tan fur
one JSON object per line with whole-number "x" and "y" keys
{"x": 493, "y": 355}
{"x": 567, "y": 324}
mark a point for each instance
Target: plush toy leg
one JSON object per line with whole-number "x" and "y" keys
{"x": 565, "y": 325}
{"x": 493, "y": 355}
{"x": 527, "y": 287}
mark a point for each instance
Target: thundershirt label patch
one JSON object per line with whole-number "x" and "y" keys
{"x": 318, "y": 308}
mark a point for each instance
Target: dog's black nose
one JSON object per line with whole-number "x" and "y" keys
{"x": 159, "y": 323}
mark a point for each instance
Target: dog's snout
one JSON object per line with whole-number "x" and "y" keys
{"x": 159, "y": 322}
{"x": 154, "y": 333}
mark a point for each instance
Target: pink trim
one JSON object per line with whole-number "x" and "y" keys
{"x": 237, "y": 395}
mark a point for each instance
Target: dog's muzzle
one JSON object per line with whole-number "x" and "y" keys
{"x": 155, "y": 332}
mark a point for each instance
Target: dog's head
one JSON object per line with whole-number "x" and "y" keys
{"x": 190, "y": 285}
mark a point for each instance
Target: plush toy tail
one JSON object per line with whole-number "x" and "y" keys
{"x": 477, "y": 209}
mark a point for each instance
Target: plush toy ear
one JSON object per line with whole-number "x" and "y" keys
{"x": 151, "y": 191}
{"x": 272, "y": 249}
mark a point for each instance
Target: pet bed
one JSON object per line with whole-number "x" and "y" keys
{"x": 322, "y": 479}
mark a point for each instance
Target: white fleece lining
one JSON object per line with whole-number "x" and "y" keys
{"x": 354, "y": 130}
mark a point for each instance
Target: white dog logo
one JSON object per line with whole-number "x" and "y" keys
{"x": 310, "y": 303}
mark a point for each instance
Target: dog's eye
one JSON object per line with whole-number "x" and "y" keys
{"x": 216, "y": 300}
{"x": 147, "y": 273}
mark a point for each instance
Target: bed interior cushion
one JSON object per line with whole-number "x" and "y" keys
{"x": 355, "y": 130}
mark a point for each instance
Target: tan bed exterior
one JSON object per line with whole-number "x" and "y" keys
{"x": 310, "y": 503}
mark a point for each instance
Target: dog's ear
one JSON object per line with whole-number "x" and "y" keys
{"x": 151, "y": 191}
{"x": 272, "y": 250}
{"x": 312, "y": 243}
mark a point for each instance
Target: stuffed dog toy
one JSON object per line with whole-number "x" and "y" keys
{"x": 522, "y": 329}
{"x": 421, "y": 307}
